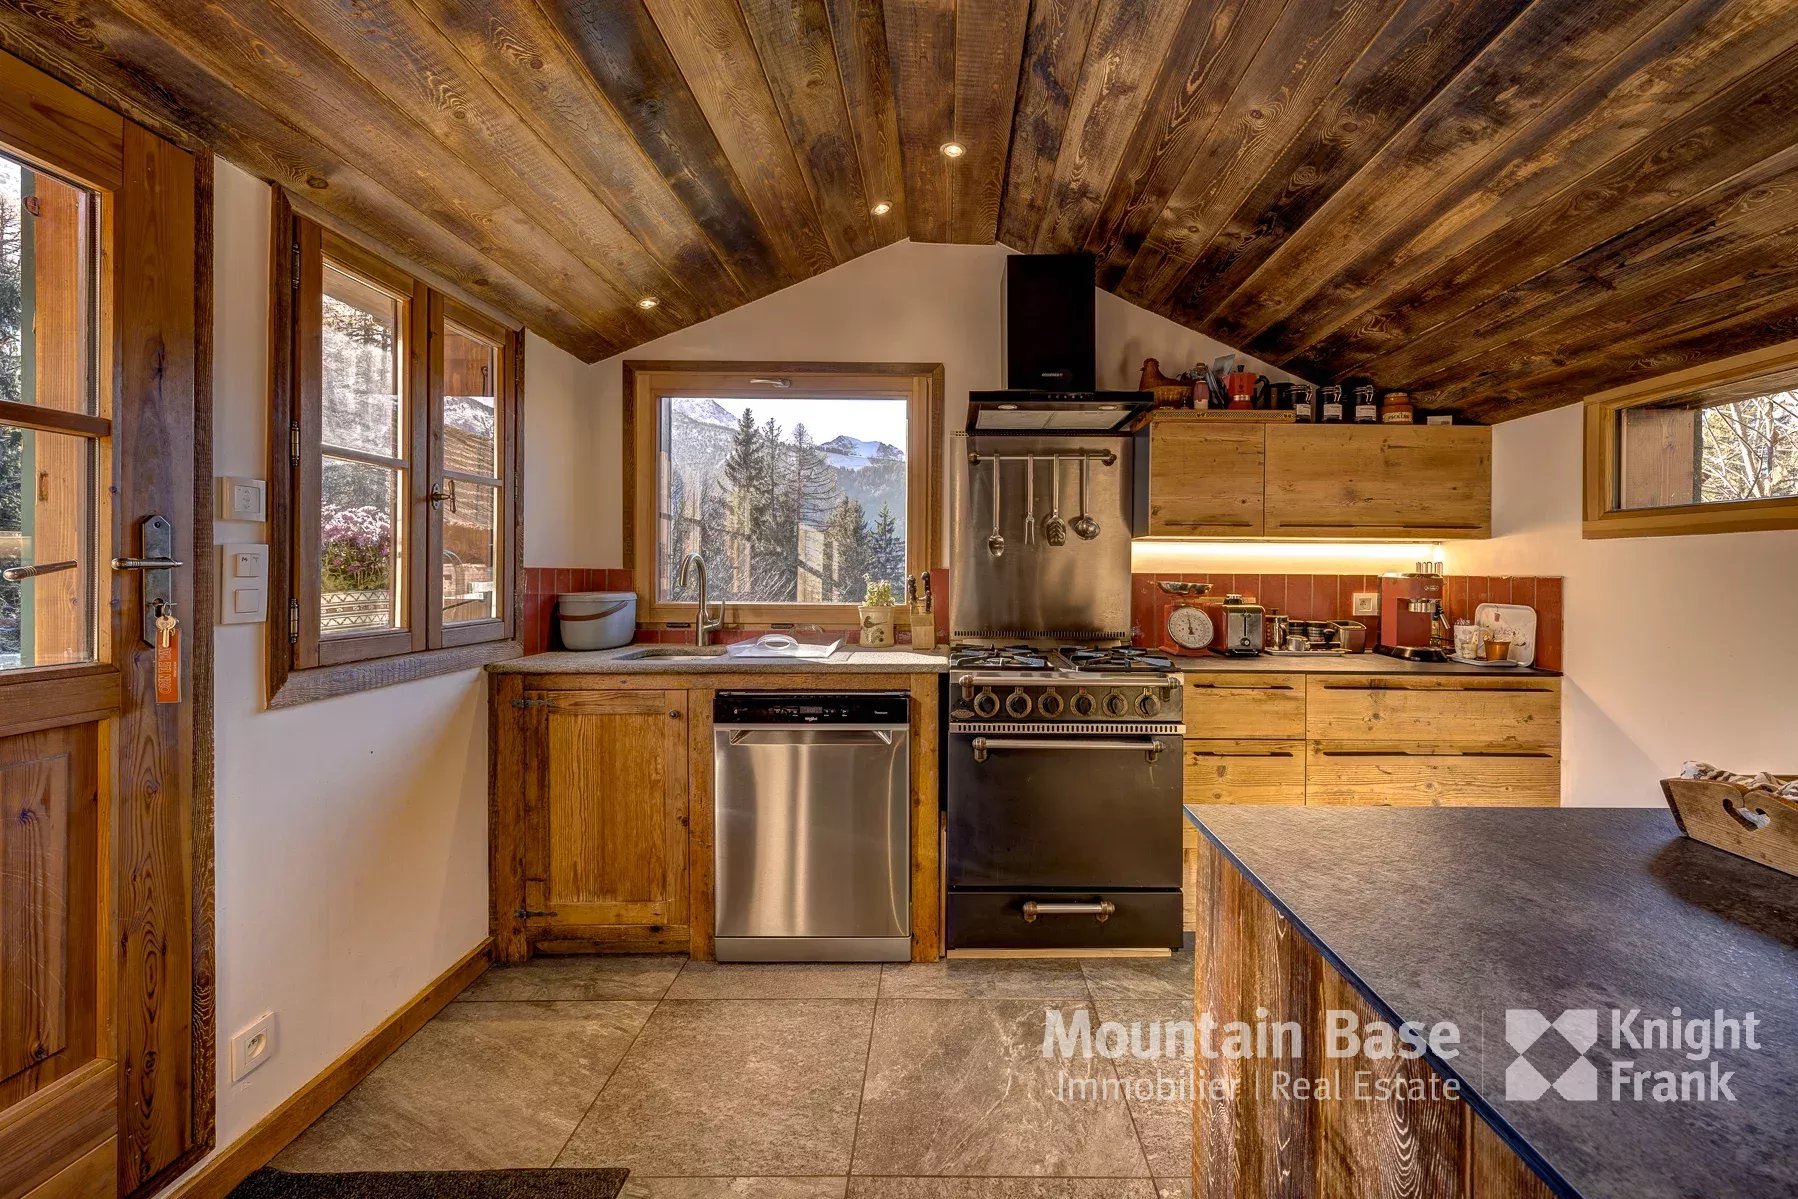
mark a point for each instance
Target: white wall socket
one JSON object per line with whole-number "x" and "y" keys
{"x": 253, "y": 1045}
{"x": 1367, "y": 603}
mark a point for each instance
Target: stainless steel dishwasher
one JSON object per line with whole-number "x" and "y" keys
{"x": 813, "y": 832}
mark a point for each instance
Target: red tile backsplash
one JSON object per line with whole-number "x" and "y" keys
{"x": 1305, "y": 597}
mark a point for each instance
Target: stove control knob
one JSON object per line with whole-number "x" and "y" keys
{"x": 986, "y": 704}
{"x": 1083, "y": 704}
{"x": 1017, "y": 704}
{"x": 1116, "y": 705}
{"x": 1147, "y": 706}
{"x": 1050, "y": 704}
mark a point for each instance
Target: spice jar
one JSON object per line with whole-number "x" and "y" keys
{"x": 1395, "y": 409}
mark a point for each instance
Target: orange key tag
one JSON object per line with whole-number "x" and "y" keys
{"x": 168, "y": 658}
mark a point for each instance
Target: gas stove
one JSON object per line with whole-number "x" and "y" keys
{"x": 1062, "y": 689}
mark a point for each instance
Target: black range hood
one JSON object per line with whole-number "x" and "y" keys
{"x": 1050, "y": 356}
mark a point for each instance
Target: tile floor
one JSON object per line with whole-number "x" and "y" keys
{"x": 780, "y": 1081}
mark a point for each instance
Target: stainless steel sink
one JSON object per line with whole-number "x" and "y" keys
{"x": 672, "y": 652}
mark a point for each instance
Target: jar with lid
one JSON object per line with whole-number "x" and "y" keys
{"x": 1367, "y": 409}
{"x": 1329, "y": 401}
{"x": 1304, "y": 403}
{"x": 1395, "y": 409}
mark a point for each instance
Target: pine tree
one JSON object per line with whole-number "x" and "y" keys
{"x": 813, "y": 483}
{"x": 886, "y": 550}
{"x": 774, "y": 567}
{"x": 846, "y": 531}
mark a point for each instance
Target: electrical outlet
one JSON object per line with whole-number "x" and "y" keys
{"x": 253, "y": 1045}
{"x": 1367, "y": 603}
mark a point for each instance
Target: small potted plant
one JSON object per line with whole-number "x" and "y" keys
{"x": 877, "y": 614}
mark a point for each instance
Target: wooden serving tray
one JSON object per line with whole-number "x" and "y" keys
{"x": 1750, "y": 824}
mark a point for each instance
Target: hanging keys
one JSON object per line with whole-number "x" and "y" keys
{"x": 168, "y": 654}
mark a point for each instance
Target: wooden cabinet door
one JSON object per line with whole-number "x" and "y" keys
{"x": 606, "y": 816}
{"x": 1204, "y": 479}
{"x": 1379, "y": 481}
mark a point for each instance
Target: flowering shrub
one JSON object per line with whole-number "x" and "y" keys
{"x": 358, "y": 549}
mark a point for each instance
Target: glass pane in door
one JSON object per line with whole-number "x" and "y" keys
{"x": 359, "y": 552}
{"x": 364, "y": 373}
{"x": 46, "y": 300}
{"x": 471, "y": 553}
{"x": 470, "y": 382}
{"x": 47, "y": 571}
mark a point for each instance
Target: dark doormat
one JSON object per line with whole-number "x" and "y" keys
{"x": 434, "y": 1184}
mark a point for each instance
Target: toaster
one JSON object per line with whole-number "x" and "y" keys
{"x": 1238, "y": 629}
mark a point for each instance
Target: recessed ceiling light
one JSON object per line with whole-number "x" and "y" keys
{"x": 954, "y": 149}
{"x": 882, "y": 208}
{"x": 1008, "y": 407}
{"x": 647, "y": 302}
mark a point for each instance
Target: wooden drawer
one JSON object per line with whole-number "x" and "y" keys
{"x": 1522, "y": 711}
{"x": 1440, "y": 774}
{"x": 1225, "y": 705}
{"x": 1244, "y": 771}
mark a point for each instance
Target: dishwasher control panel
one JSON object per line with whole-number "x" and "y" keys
{"x": 784, "y": 707}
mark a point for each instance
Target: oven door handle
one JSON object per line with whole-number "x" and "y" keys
{"x": 1102, "y": 910}
{"x": 985, "y": 745}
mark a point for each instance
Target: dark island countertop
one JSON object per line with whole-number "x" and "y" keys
{"x": 1460, "y": 914}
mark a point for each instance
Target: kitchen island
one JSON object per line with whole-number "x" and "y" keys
{"x": 1452, "y": 918}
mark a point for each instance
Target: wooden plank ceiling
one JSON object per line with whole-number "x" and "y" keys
{"x": 1503, "y": 204}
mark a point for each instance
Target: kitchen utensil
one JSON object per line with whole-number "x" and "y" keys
{"x": 1497, "y": 649}
{"x": 995, "y": 542}
{"x": 1350, "y": 636}
{"x": 1055, "y": 529}
{"x": 1297, "y": 643}
{"x": 1085, "y": 527}
{"x": 1030, "y": 500}
{"x": 1277, "y": 630}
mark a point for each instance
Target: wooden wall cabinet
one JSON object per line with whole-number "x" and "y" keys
{"x": 1208, "y": 475}
{"x": 1203, "y": 479}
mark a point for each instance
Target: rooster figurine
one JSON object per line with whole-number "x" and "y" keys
{"x": 1168, "y": 392}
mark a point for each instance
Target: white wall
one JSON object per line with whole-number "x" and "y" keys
{"x": 906, "y": 302}
{"x": 1676, "y": 647}
{"x": 351, "y": 833}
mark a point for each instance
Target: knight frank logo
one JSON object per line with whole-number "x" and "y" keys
{"x": 1576, "y": 1031}
{"x": 1552, "y": 1055}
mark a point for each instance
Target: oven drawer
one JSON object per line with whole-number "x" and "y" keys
{"x": 996, "y": 920}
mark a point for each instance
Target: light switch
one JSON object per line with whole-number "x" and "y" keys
{"x": 243, "y": 499}
{"x": 243, "y": 584}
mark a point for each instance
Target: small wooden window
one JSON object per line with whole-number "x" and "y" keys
{"x": 797, "y": 483}
{"x": 1713, "y": 449}
{"x": 395, "y": 483}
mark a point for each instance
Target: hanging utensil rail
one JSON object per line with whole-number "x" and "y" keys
{"x": 1105, "y": 458}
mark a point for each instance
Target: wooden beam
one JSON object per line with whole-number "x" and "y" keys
{"x": 864, "y": 64}
{"x": 799, "y": 60}
{"x": 989, "y": 42}
{"x": 921, "y": 41}
{"x": 717, "y": 58}
{"x": 1115, "y": 79}
{"x": 1055, "y": 42}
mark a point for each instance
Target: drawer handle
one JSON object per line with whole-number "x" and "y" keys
{"x": 1242, "y": 686}
{"x": 1425, "y": 752}
{"x": 1357, "y": 524}
{"x": 1101, "y": 910}
{"x": 1266, "y": 753}
{"x": 1405, "y": 686}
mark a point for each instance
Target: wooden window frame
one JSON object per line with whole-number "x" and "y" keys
{"x": 308, "y": 666}
{"x": 1603, "y": 421}
{"x": 645, "y": 383}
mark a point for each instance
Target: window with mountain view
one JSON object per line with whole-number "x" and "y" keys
{"x": 796, "y": 500}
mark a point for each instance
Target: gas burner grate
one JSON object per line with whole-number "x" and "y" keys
{"x": 1116, "y": 660}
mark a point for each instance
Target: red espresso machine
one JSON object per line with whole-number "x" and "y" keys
{"x": 1410, "y": 612}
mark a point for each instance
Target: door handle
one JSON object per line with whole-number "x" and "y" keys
{"x": 157, "y": 562}
{"x": 985, "y": 745}
{"x": 20, "y": 574}
{"x": 1102, "y": 910}
{"x": 144, "y": 564}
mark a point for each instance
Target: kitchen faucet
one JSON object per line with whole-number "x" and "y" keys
{"x": 704, "y": 623}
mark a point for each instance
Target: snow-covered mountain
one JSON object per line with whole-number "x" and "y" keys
{"x": 706, "y": 412}
{"x": 851, "y": 453}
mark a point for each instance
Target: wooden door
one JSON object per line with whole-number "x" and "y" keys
{"x": 1379, "y": 481}
{"x": 105, "y": 1067}
{"x": 606, "y": 816}
{"x": 1205, "y": 478}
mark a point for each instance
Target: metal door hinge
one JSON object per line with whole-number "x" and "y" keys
{"x": 528, "y": 914}
{"x": 532, "y": 703}
{"x": 293, "y": 443}
{"x": 296, "y": 265}
{"x": 293, "y": 621}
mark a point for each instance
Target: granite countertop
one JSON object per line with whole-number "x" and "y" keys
{"x": 1368, "y": 663}
{"x": 849, "y": 660}
{"x": 1462, "y": 913}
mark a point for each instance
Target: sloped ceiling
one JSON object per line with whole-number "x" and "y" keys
{"x": 1507, "y": 204}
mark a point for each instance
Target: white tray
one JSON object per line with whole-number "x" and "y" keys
{"x": 1520, "y": 619}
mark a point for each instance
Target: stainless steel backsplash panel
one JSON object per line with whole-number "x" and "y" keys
{"x": 1079, "y": 591}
